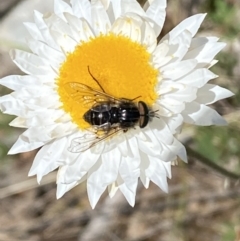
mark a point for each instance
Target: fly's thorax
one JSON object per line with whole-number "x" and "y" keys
{"x": 128, "y": 115}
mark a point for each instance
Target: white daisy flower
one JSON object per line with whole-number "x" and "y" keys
{"x": 110, "y": 46}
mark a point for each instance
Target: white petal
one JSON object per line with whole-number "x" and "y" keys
{"x": 46, "y": 117}
{"x": 18, "y": 122}
{"x": 34, "y": 31}
{"x": 159, "y": 56}
{"x": 167, "y": 104}
{"x": 80, "y": 167}
{"x": 191, "y": 24}
{"x": 213, "y": 62}
{"x": 82, "y": 9}
{"x": 181, "y": 94}
{"x": 128, "y": 27}
{"x": 201, "y": 41}
{"x": 63, "y": 188}
{"x": 61, "y": 33}
{"x": 209, "y": 94}
{"x": 149, "y": 38}
{"x": 47, "y": 158}
{"x": 115, "y": 5}
{"x": 21, "y": 145}
{"x": 60, "y": 7}
{"x": 129, "y": 171}
{"x": 177, "y": 70}
{"x": 161, "y": 50}
{"x": 168, "y": 168}
{"x": 31, "y": 64}
{"x": 55, "y": 58}
{"x": 81, "y": 27}
{"x": 156, "y": 147}
{"x": 105, "y": 3}
{"x": 131, "y": 6}
{"x": 105, "y": 175}
{"x": 35, "y": 97}
{"x": 157, "y": 173}
{"x": 202, "y": 115}
{"x": 178, "y": 148}
{"x": 12, "y": 106}
{"x": 174, "y": 123}
{"x": 123, "y": 145}
{"x": 129, "y": 192}
{"x": 55, "y": 23}
{"x": 206, "y": 53}
{"x": 112, "y": 189}
{"x": 66, "y": 43}
{"x": 198, "y": 78}
{"x": 161, "y": 131}
{"x": 150, "y": 144}
{"x": 16, "y": 82}
{"x": 35, "y": 137}
{"x": 160, "y": 181}
{"x": 143, "y": 166}
{"x": 156, "y": 11}
{"x": 134, "y": 152}
{"x": 43, "y": 28}
{"x": 179, "y": 46}
{"x": 100, "y": 21}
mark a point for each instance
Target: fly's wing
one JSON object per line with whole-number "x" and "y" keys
{"x": 86, "y": 95}
{"x": 87, "y": 141}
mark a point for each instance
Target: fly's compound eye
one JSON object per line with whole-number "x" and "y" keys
{"x": 143, "y": 111}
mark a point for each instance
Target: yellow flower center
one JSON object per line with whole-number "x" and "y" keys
{"x": 122, "y": 67}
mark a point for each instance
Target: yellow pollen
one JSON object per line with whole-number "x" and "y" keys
{"x": 121, "y": 66}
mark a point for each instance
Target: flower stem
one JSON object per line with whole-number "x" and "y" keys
{"x": 196, "y": 155}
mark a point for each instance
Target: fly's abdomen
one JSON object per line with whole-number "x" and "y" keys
{"x": 97, "y": 118}
{"x": 100, "y": 118}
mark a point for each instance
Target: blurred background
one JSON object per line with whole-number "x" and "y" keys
{"x": 203, "y": 203}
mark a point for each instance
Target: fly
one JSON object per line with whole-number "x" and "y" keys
{"x": 108, "y": 115}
